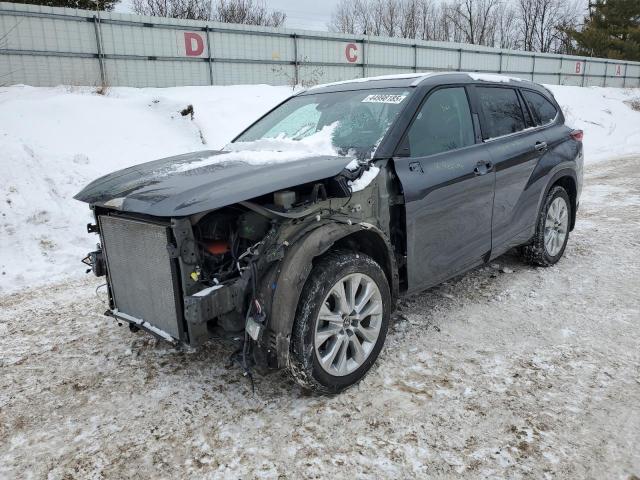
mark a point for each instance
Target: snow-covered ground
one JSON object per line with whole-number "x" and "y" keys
{"x": 506, "y": 372}
{"x": 56, "y": 140}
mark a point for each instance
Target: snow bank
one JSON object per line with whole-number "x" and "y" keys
{"x": 56, "y": 140}
{"x": 611, "y": 126}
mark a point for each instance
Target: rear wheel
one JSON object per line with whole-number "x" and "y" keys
{"x": 341, "y": 322}
{"x": 552, "y": 230}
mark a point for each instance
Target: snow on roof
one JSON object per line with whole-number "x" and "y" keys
{"x": 419, "y": 77}
{"x": 492, "y": 77}
{"x": 397, "y": 76}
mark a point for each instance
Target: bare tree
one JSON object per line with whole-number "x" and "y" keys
{"x": 186, "y": 9}
{"x": 248, "y": 12}
{"x": 507, "y": 28}
{"x": 535, "y": 25}
{"x": 543, "y": 22}
{"x": 343, "y": 18}
{"x": 475, "y": 20}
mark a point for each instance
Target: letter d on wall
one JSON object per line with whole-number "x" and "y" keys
{"x": 193, "y": 44}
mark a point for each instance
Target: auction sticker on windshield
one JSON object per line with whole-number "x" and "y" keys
{"x": 383, "y": 98}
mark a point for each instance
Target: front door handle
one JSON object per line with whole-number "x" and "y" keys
{"x": 483, "y": 167}
{"x": 541, "y": 146}
{"x": 416, "y": 167}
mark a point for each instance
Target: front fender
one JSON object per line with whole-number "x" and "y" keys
{"x": 294, "y": 269}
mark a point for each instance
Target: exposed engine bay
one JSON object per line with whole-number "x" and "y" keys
{"x": 233, "y": 267}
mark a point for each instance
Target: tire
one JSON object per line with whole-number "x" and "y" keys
{"x": 324, "y": 355}
{"x": 547, "y": 248}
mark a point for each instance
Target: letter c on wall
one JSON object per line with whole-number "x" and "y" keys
{"x": 193, "y": 44}
{"x": 351, "y": 52}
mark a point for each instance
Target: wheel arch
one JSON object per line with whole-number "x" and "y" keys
{"x": 567, "y": 180}
{"x": 295, "y": 268}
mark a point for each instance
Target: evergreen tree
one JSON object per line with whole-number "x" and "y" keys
{"x": 83, "y": 4}
{"x": 612, "y": 30}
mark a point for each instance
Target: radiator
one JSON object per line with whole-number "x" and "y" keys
{"x": 142, "y": 275}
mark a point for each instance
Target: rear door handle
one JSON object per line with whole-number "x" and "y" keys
{"x": 541, "y": 146}
{"x": 483, "y": 167}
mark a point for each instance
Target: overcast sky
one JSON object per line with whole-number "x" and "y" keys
{"x": 306, "y": 14}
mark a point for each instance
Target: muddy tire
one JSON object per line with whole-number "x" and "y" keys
{"x": 552, "y": 230}
{"x": 341, "y": 322}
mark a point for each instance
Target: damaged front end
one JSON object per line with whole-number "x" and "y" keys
{"x": 234, "y": 271}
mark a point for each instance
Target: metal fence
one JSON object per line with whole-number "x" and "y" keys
{"x": 45, "y": 46}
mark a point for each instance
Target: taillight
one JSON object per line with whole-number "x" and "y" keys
{"x": 577, "y": 135}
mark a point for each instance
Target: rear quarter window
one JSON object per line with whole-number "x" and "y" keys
{"x": 501, "y": 110}
{"x": 542, "y": 109}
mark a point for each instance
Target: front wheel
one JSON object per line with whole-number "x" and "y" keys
{"x": 341, "y": 322}
{"x": 552, "y": 230}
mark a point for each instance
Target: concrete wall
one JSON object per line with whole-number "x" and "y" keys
{"x": 47, "y": 46}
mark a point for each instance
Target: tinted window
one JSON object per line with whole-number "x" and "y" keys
{"x": 502, "y": 111}
{"x": 443, "y": 123}
{"x": 542, "y": 109}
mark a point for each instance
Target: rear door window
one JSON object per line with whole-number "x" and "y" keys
{"x": 543, "y": 110}
{"x": 501, "y": 110}
{"x": 443, "y": 123}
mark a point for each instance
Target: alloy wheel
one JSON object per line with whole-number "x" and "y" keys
{"x": 556, "y": 226}
{"x": 348, "y": 324}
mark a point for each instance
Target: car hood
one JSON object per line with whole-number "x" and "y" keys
{"x": 200, "y": 181}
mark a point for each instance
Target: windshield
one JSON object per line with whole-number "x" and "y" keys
{"x": 356, "y": 120}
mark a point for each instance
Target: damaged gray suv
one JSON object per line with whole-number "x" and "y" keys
{"x": 299, "y": 236}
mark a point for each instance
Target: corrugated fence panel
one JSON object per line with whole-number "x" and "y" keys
{"x": 398, "y": 56}
{"x": 47, "y": 34}
{"x": 159, "y": 42}
{"x": 483, "y": 62}
{"x": 245, "y": 73}
{"x": 134, "y": 73}
{"x": 377, "y": 71}
{"x": 516, "y": 63}
{"x": 325, "y": 74}
{"x": 50, "y": 46}
{"x": 429, "y": 59}
{"x": 251, "y": 47}
{"x": 547, "y": 65}
{"x": 545, "y": 78}
{"x": 49, "y": 71}
{"x": 329, "y": 51}
{"x": 574, "y": 80}
{"x": 632, "y": 76}
{"x": 615, "y": 82}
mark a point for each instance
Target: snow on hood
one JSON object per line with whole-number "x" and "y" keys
{"x": 270, "y": 150}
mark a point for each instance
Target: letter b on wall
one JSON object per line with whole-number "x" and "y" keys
{"x": 193, "y": 44}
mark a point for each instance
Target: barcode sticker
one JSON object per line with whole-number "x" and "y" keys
{"x": 384, "y": 98}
